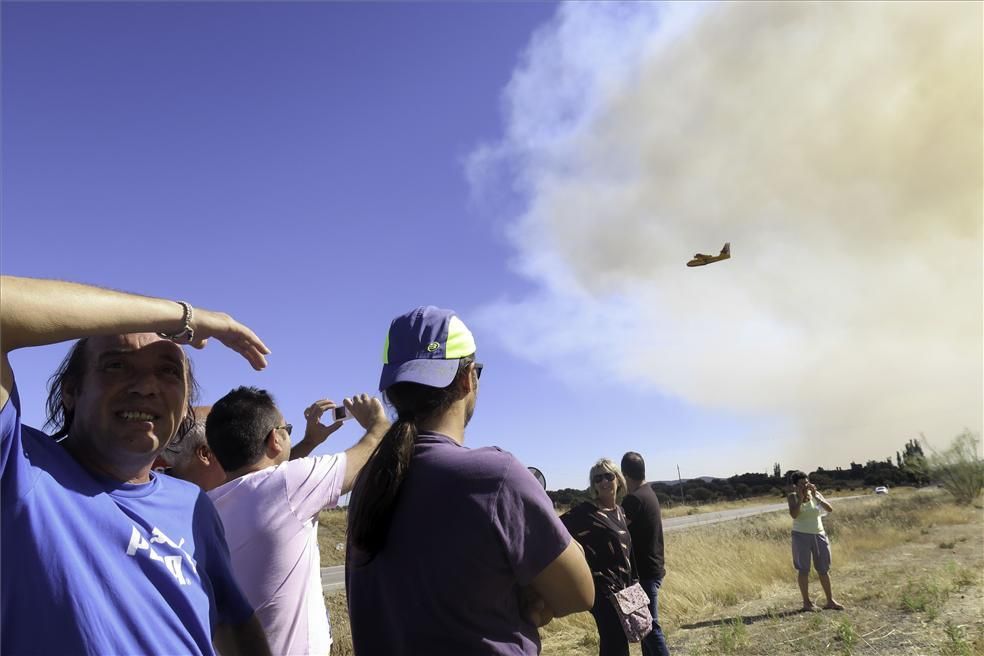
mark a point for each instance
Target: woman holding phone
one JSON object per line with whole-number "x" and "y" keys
{"x": 809, "y": 539}
{"x": 599, "y": 526}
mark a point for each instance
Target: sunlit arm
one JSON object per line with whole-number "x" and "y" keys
{"x": 36, "y": 312}
{"x": 794, "y": 504}
{"x": 566, "y": 585}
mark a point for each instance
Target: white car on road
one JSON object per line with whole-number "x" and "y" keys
{"x": 881, "y": 489}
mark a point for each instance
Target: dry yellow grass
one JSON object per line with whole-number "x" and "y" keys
{"x": 331, "y": 536}
{"x": 679, "y": 509}
{"x": 722, "y": 565}
{"x": 715, "y": 567}
{"x": 341, "y": 636}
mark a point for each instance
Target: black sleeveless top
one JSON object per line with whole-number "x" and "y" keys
{"x": 607, "y": 544}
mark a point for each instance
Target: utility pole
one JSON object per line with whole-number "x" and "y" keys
{"x": 682, "y": 497}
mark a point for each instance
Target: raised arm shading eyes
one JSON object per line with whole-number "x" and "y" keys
{"x": 36, "y": 312}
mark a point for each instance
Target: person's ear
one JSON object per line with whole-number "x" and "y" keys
{"x": 204, "y": 454}
{"x": 470, "y": 380}
{"x": 273, "y": 445}
{"x": 68, "y": 396}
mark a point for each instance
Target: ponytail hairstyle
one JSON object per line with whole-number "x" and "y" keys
{"x": 377, "y": 486}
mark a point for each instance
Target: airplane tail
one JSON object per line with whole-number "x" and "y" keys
{"x": 727, "y": 249}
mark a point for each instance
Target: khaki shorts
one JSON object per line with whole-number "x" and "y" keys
{"x": 807, "y": 546}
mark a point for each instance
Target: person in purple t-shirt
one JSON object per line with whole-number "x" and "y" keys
{"x": 451, "y": 550}
{"x": 99, "y": 554}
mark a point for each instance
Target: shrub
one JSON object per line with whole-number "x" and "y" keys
{"x": 733, "y": 636}
{"x": 955, "y": 644}
{"x": 960, "y": 468}
{"x": 847, "y": 636}
{"x": 924, "y": 597}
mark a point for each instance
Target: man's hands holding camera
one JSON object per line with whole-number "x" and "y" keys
{"x": 365, "y": 409}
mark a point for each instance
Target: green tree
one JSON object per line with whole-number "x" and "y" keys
{"x": 914, "y": 463}
{"x": 960, "y": 468}
{"x": 701, "y": 494}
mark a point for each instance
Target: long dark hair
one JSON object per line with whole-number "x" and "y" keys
{"x": 71, "y": 373}
{"x": 377, "y": 487}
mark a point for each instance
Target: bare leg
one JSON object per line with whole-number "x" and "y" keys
{"x": 825, "y": 584}
{"x": 804, "y": 584}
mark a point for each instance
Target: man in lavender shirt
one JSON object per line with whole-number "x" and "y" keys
{"x": 190, "y": 459}
{"x": 270, "y": 504}
{"x": 452, "y": 550}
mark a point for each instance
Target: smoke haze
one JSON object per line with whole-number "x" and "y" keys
{"x": 837, "y": 146}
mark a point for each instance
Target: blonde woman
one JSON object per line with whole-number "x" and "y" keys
{"x": 599, "y": 526}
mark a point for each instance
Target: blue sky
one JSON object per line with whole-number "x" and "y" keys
{"x": 315, "y": 169}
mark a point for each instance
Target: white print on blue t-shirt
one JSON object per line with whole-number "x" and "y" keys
{"x": 173, "y": 563}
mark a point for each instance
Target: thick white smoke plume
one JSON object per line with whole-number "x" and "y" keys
{"x": 838, "y": 146}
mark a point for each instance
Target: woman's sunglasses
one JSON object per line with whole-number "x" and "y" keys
{"x": 607, "y": 476}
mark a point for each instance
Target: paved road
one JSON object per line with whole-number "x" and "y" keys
{"x": 702, "y": 519}
{"x": 333, "y": 578}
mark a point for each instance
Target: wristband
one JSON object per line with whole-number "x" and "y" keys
{"x": 187, "y": 333}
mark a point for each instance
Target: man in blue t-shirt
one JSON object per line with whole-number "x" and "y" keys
{"x": 99, "y": 554}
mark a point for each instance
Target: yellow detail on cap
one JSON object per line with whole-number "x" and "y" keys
{"x": 460, "y": 341}
{"x": 386, "y": 349}
{"x": 433, "y": 346}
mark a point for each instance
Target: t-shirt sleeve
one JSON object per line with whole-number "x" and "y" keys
{"x": 529, "y": 529}
{"x": 231, "y": 605}
{"x": 17, "y": 474}
{"x": 575, "y": 521}
{"x": 314, "y": 484}
{"x": 9, "y": 427}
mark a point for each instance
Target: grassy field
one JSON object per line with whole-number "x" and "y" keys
{"x": 908, "y": 567}
{"x": 679, "y": 510}
{"x": 331, "y": 537}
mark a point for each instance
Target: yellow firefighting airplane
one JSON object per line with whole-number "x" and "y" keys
{"x": 700, "y": 259}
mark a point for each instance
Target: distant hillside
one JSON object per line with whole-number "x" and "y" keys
{"x": 907, "y": 468}
{"x": 706, "y": 479}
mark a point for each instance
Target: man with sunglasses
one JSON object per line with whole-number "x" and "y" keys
{"x": 452, "y": 549}
{"x": 270, "y": 504}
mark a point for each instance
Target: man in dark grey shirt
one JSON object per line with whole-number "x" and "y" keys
{"x": 646, "y": 528}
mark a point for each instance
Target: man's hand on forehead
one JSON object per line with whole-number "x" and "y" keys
{"x": 231, "y": 333}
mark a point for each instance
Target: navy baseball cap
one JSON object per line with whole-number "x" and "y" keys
{"x": 424, "y": 346}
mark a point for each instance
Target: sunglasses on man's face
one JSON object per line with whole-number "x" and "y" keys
{"x": 285, "y": 427}
{"x": 607, "y": 476}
